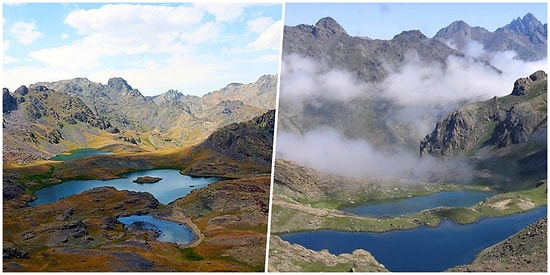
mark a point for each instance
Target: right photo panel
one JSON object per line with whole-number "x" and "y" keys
{"x": 411, "y": 137}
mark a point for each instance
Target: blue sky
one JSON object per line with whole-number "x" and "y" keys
{"x": 383, "y": 20}
{"x": 194, "y": 48}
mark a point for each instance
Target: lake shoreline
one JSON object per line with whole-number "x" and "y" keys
{"x": 292, "y": 216}
{"x": 383, "y": 246}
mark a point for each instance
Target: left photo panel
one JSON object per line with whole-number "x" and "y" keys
{"x": 138, "y": 137}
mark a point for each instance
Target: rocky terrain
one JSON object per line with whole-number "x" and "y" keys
{"x": 369, "y": 58}
{"x": 371, "y": 115}
{"x": 525, "y": 251}
{"x": 369, "y": 61}
{"x": 511, "y": 128}
{"x": 236, "y": 148}
{"x": 526, "y": 36}
{"x": 228, "y": 218}
{"x": 81, "y": 233}
{"x": 500, "y": 141}
{"x": 498, "y": 122}
{"x": 283, "y": 257}
{"x": 45, "y": 118}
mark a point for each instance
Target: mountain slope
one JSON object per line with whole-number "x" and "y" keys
{"x": 238, "y": 148}
{"x": 370, "y": 59}
{"x": 367, "y": 63}
{"x": 526, "y": 36}
{"x": 498, "y": 122}
{"x": 511, "y": 129}
{"x": 48, "y": 118}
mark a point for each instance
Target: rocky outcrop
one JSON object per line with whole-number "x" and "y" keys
{"x": 522, "y": 85}
{"x": 287, "y": 257}
{"x": 238, "y": 147}
{"x": 9, "y": 103}
{"x": 499, "y": 122}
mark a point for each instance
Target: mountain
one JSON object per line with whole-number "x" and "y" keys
{"x": 48, "y": 118}
{"x": 498, "y": 122}
{"x": 371, "y": 61}
{"x": 526, "y": 36}
{"x": 369, "y": 58}
{"x": 235, "y": 148}
{"x": 371, "y": 115}
{"x": 513, "y": 128}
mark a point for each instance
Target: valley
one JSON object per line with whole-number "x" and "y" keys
{"x": 220, "y": 139}
{"x": 369, "y": 142}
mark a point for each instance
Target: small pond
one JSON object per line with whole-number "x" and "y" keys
{"x": 412, "y": 205}
{"x": 168, "y": 231}
{"x": 172, "y": 186}
{"x": 423, "y": 248}
{"x": 79, "y": 153}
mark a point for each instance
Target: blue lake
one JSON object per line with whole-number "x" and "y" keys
{"x": 169, "y": 231}
{"x": 79, "y": 153}
{"x": 417, "y": 204}
{"x": 173, "y": 185}
{"x": 424, "y": 248}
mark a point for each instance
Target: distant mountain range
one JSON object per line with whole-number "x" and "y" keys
{"x": 372, "y": 60}
{"x": 505, "y": 133}
{"x": 526, "y": 36}
{"x": 48, "y": 118}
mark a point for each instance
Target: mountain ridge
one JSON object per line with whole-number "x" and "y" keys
{"x": 526, "y": 36}
{"x": 48, "y": 118}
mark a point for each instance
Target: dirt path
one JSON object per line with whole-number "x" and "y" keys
{"x": 179, "y": 217}
{"x": 501, "y": 205}
{"x": 309, "y": 210}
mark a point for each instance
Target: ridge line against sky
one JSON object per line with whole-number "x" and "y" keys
{"x": 235, "y": 42}
{"x": 384, "y": 20}
{"x": 194, "y": 47}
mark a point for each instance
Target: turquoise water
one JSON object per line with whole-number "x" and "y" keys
{"x": 169, "y": 231}
{"x": 417, "y": 204}
{"x": 172, "y": 186}
{"x": 80, "y": 153}
{"x": 423, "y": 249}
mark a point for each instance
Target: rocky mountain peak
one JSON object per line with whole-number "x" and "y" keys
{"x": 459, "y": 25}
{"x": 173, "y": 95}
{"x": 413, "y": 35}
{"x": 22, "y": 90}
{"x": 328, "y": 27}
{"x": 522, "y": 85}
{"x": 119, "y": 84}
{"x": 9, "y": 103}
{"x": 528, "y": 26}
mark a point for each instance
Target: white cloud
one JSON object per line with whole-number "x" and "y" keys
{"x": 259, "y": 24}
{"x": 24, "y": 32}
{"x": 154, "y": 47}
{"x": 151, "y": 28}
{"x": 270, "y": 38}
{"x": 207, "y": 32}
{"x": 6, "y": 59}
{"x": 133, "y": 20}
{"x": 223, "y": 12}
{"x": 325, "y": 149}
{"x": 306, "y": 80}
